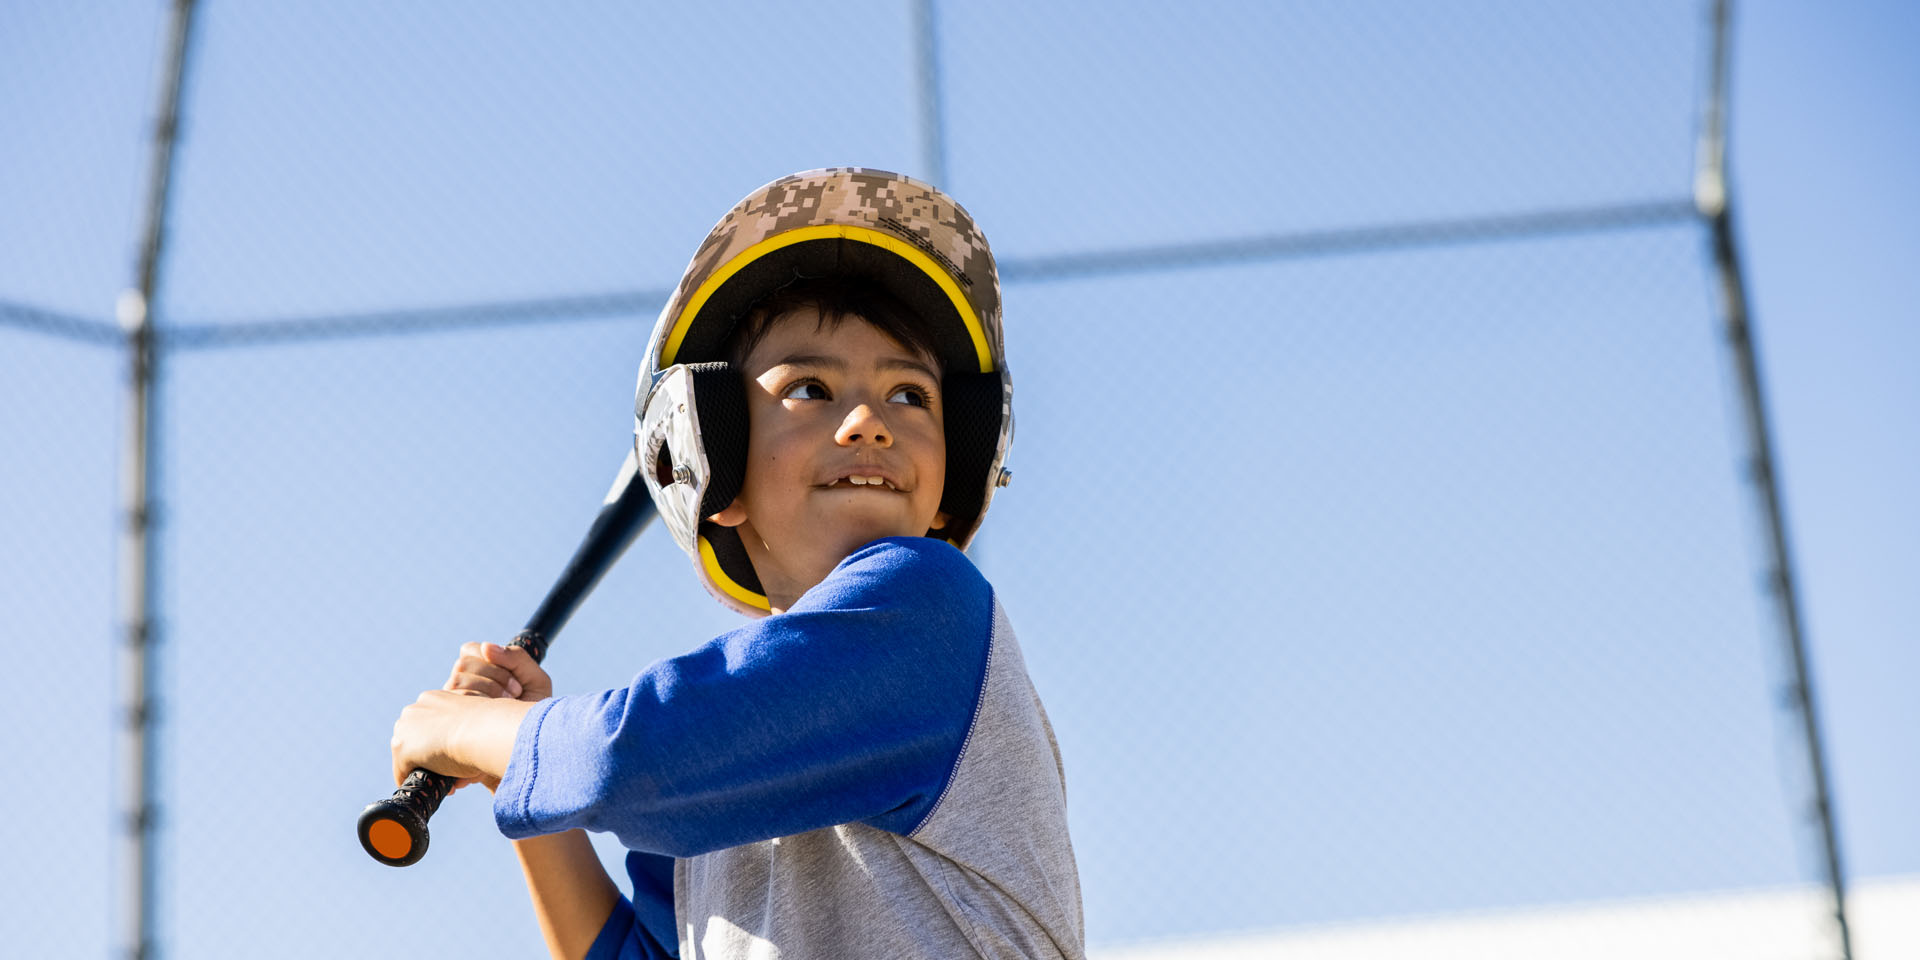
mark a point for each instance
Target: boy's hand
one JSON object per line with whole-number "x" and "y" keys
{"x": 439, "y": 734}
{"x": 491, "y": 670}
{"x": 459, "y": 735}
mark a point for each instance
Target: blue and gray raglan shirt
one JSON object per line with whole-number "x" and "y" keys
{"x": 869, "y": 774}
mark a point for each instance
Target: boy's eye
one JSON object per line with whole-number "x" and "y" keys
{"x": 912, "y": 395}
{"x": 807, "y": 390}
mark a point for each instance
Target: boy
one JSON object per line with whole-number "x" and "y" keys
{"x": 865, "y": 772}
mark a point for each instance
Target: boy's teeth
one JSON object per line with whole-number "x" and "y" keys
{"x": 869, "y": 482}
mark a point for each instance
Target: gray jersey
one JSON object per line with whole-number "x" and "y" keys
{"x": 989, "y": 873}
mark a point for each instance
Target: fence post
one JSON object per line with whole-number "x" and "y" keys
{"x": 1712, "y": 198}
{"x": 135, "y": 310}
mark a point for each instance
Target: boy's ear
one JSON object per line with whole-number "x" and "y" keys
{"x": 940, "y": 520}
{"x": 734, "y": 515}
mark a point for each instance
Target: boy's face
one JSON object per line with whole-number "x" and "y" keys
{"x": 829, "y": 406}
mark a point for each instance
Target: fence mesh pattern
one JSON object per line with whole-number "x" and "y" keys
{"x": 1376, "y": 541}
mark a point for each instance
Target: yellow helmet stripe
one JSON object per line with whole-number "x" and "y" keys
{"x": 712, "y": 564}
{"x": 885, "y": 241}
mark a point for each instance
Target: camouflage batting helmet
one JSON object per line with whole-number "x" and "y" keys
{"x": 690, "y": 415}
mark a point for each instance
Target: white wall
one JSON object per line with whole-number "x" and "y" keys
{"x": 1787, "y": 924}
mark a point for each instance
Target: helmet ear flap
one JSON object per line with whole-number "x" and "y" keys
{"x": 723, "y": 432}
{"x": 722, "y": 409}
{"x": 975, "y": 411}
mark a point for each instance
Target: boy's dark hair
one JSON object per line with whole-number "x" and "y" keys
{"x": 836, "y": 299}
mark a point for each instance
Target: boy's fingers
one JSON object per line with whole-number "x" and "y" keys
{"x": 513, "y": 659}
{"x": 482, "y": 686}
{"x": 525, "y": 673}
{"x": 470, "y": 651}
{"x": 508, "y": 657}
{"x": 474, "y": 666}
{"x": 491, "y": 670}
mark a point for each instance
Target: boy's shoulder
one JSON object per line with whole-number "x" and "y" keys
{"x": 919, "y": 556}
{"x": 902, "y": 571}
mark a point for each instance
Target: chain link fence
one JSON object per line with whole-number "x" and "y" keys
{"x": 1377, "y": 542}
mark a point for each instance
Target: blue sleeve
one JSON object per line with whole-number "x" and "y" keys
{"x": 642, "y": 928}
{"x": 851, "y": 706}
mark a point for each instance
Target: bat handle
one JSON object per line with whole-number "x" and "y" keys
{"x": 394, "y": 831}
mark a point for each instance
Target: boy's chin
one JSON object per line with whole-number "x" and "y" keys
{"x": 853, "y": 536}
{"x": 853, "y": 533}
{"x": 869, "y": 520}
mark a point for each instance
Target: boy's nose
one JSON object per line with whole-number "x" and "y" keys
{"x": 863, "y": 426}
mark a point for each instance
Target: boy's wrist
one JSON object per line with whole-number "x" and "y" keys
{"x": 486, "y": 736}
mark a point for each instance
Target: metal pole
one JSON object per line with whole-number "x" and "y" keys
{"x": 1712, "y": 197}
{"x": 933, "y": 145}
{"x": 138, "y": 809}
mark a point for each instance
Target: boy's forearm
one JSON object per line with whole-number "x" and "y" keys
{"x": 571, "y": 892}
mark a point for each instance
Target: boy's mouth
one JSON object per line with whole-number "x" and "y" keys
{"x": 862, "y": 481}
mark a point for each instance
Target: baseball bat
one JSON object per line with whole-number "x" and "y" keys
{"x": 394, "y": 831}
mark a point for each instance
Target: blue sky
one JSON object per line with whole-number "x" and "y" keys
{"x": 1823, "y": 140}
{"x": 1357, "y": 586}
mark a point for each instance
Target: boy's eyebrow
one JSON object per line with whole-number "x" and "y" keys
{"x": 839, "y": 365}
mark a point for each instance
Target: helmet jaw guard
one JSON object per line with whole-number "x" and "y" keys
{"x": 979, "y": 431}
{"x": 690, "y": 442}
{"x": 672, "y": 461}
{"x": 903, "y": 235}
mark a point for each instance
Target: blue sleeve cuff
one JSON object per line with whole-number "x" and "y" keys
{"x": 510, "y": 808}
